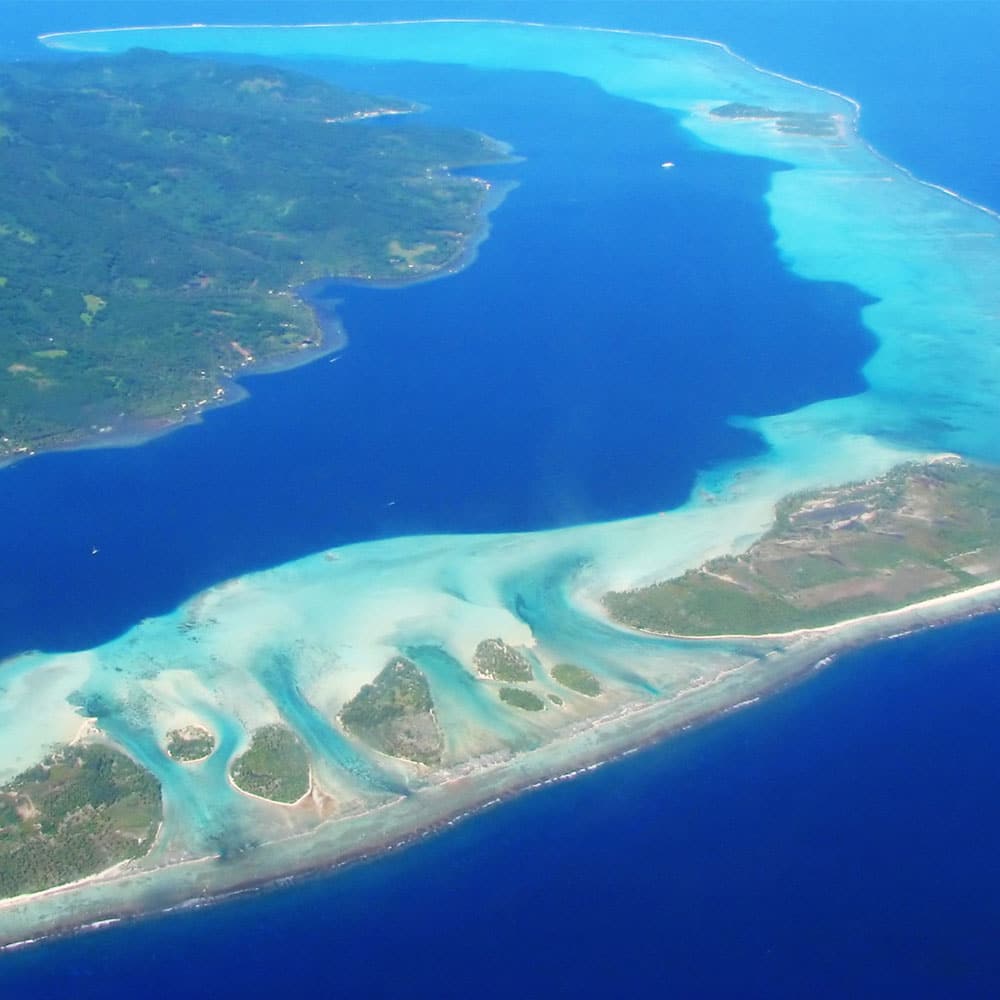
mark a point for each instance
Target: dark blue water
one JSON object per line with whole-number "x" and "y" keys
{"x": 837, "y": 840}
{"x": 583, "y": 369}
{"x": 925, "y": 70}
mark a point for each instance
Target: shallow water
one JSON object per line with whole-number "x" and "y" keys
{"x": 818, "y": 842}
{"x": 770, "y": 873}
{"x": 480, "y": 402}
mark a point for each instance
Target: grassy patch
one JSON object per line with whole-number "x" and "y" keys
{"x": 274, "y": 767}
{"x": 921, "y": 530}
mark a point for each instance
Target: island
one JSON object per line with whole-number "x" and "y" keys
{"x": 395, "y": 714}
{"x": 920, "y": 531}
{"x": 159, "y": 214}
{"x": 855, "y": 522}
{"x": 808, "y": 123}
{"x": 519, "y": 698}
{"x": 80, "y": 811}
{"x": 495, "y": 659}
{"x": 274, "y": 767}
{"x": 577, "y": 679}
{"x": 190, "y": 744}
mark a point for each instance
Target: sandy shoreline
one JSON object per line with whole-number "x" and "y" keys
{"x": 768, "y": 663}
{"x": 942, "y": 601}
{"x": 127, "y": 891}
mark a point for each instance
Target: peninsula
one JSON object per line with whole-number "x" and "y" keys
{"x": 920, "y": 531}
{"x": 344, "y": 755}
{"x": 158, "y": 214}
{"x": 329, "y": 708}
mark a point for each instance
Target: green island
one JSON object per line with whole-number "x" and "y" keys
{"x": 274, "y": 766}
{"x": 192, "y": 743}
{"x": 522, "y": 699}
{"x": 80, "y": 811}
{"x": 922, "y": 530}
{"x": 498, "y": 661}
{"x": 158, "y": 213}
{"x": 395, "y": 714}
{"x": 577, "y": 679}
{"x": 792, "y": 122}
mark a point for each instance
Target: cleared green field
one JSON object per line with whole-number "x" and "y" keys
{"x": 920, "y": 531}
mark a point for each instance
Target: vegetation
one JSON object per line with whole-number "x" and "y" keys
{"x": 395, "y": 714}
{"x": 82, "y": 810}
{"x": 498, "y": 661}
{"x": 520, "y": 698}
{"x": 274, "y": 767}
{"x": 577, "y": 679}
{"x": 555, "y": 699}
{"x": 920, "y": 531}
{"x": 190, "y": 743}
{"x": 815, "y": 123}
{"x": 156, "y": 213}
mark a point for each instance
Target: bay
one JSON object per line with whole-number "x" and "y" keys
{"x": 835, "y": 839}
{"x": 583, "y": 369}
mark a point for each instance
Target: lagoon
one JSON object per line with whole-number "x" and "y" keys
{"x": 698, "y": 887}
{"x": 607, "y": 286}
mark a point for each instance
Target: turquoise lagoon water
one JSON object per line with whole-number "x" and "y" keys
{"x": 819, "y": 843}
{"x": 924, "y": 269}
{"x": 929, "y": 259}
{"x": 508, "y": 373}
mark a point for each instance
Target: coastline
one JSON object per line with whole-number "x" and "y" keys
{"x": 133, "y": 432}
{"x": 462, "y": 791}
{"x": 49, "y": 37}
{"x": 619, "y": 729}
{"x": 130, "y": 431}
{"x": 942, "y": 600}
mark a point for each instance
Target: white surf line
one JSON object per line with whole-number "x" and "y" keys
{"x": 856, "y": 105}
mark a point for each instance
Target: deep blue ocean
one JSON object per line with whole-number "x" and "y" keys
{"x": 582, "y": 370}
{"x": 838, "y": 838}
